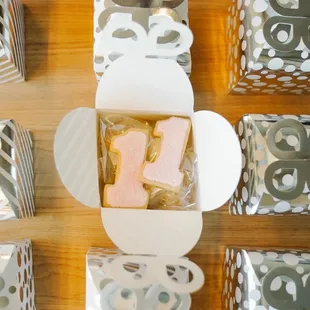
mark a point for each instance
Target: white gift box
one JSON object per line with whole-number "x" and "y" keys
{"x": 154, "y": 87}
{"x": 16, "y": 276}
{"x": 12, "y": 41}
{"x": 104, "y": 292}
{"x": 147, "y": 14}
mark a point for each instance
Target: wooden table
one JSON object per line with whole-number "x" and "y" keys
{"x": 60, "y": 77}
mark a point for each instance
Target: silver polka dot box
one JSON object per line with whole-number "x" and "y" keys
{"x": 266, "y": 279}
{"x": 275, "y": 165}
{"x": 269, "y": 47}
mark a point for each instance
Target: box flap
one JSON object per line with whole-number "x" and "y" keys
{"x": 159, "y": 86}
{"x": 75, "y": 152}
{"x": 139, "y": 80}
{"x": 219, "y": 159}
{"x": 151, "y": 232}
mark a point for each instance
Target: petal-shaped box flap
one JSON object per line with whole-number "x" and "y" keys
{"x": 75, "y": 152}
{"x": 163, "y": 233}
{"x": 219, "y": 159}
{"x": 137, "y": 84}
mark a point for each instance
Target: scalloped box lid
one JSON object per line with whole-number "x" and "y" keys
{"x": 147, "y": 86}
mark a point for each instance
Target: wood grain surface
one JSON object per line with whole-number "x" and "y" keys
{"x": 60, "y": 77}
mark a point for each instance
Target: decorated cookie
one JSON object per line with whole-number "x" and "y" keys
{"x": 165, "y": 172}
{"x": 128, "y": 190}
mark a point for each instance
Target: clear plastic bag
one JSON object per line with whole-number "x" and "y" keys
{"x": 160, "y": 199}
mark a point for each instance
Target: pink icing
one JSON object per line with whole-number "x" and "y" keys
{"x": 128, "y": 191}
{"x": 165, "y": 171}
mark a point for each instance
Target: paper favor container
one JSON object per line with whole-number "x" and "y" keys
{"x": 266, "y": 279}
{"x": 276, "y": 161}
{"x": 16, "y": 172}
{"x": 12, "y": 42}
{"x": 136, "y": 85}
{"x": 146, "y": 14}
{"x": 16, "y": 276}
{"x": 103, "y": 290}
{"x": 268, "y": 47}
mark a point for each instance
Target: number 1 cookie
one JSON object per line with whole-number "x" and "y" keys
{"x": 128, "y": 190}
{"x": 165, "y": 171}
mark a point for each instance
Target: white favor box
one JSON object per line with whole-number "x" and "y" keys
{"x": 147, "y": 14}
{"x": 16, "y": 276}
{"x": 12, "y": 41}
{"x": 153, "y": 87}
{"x": 103, "y": 292}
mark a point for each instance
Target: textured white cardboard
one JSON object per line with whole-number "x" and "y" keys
{"x": 136, "y": 84}
{"x": 16, "y": 276}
